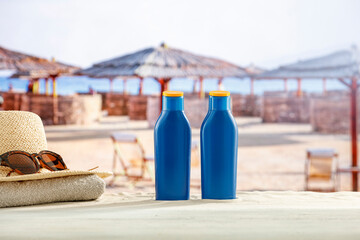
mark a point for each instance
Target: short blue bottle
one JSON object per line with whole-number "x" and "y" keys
{"x": 172, "y": 136}
{"x": 219, "y": 145}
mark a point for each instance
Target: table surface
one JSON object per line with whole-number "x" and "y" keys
{"x": 254, "y": 215}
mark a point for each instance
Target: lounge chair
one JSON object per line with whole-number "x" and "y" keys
{"x": 195, "y": 181}
{"x": 129, "y": 152}
{"x": 321, "y": 168}
{"x": 135, "y": 165}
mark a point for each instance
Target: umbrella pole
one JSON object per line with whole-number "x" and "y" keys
{"x": 54, "y": 86}
{"x": 299, "y": 93}
{"x": 201, "y": 87}
{"x": 55, "y": 101}
{"x": 354, "y": 131}
{"x": 324, "y": 86}
{"x": 163, "y": 86}
{"x": 167, "y": 84}
{"x": 36, "y": 86}
{"x": 111, "y": 84}
{"x": 47, "y": 86}
{"x": 285, "y": 85}
{"x": 141, "y": 87}
{"x": 220, "y": 84}
{"x": 251, "y": 86}
{"x": 162, "y": 89}
{"x": 124, "y": 89}
{"x": 194, "y": 86}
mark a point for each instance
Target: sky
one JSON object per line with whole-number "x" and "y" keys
{"x": 267, "y": 33}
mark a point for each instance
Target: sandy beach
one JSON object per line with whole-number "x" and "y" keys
{"x": 97, "y": 75}
{"x": 271, "y": 156}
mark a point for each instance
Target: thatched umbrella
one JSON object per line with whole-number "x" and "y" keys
{"x": 33, "y": 68}
{"x": 164, "y": 63}
{"x": 342, "y": 65}
{"x": 253, "y": 70}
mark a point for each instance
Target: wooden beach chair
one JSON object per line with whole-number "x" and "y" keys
{"x": 195, "y": 180}
{"x": 129, "y": 152}
{"x": 321, "y": 168}
{"x": 195, "y": 154}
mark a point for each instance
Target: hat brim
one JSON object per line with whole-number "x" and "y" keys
{"x": 54, "y": 174}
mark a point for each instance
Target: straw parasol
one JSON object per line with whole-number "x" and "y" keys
{"x": 338, "y": 65}
{"x": 253, "y": 70}
{"x": 32, "y": 67}
{"x": 164, "y": 63}
{"x": 343, "y": 65}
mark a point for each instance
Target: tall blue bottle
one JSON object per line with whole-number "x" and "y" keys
{"x": 172, "y": 135}
{"x": 219, "y": 145}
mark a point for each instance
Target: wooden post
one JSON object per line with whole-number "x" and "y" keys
{"x": 167, "y": 82}
{"x": 251, "y": 86}
{"x": 141, "y": 87}
{"x": 220, "y": 84}
{"x": 162, "y": 89}
{"x": 353, "y": 130}
{"x": 201, "y": 88}
{"x": 124, "y": 86}
{"x": 47, "y": 91}
{"x": 55, "y": 101}
{"x": 111, "y": 84}
{"x": 285, "y": 85}
{"x": 324, "y": 86}
{"x": 299, "y": 93}
{"x": 36, "y": 86}
{"x": 53, "y": 78}
{"x": 194, "y": 86}
{"x": 11, "y": 87}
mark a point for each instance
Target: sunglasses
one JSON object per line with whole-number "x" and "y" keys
{"x": 25, "y": 163}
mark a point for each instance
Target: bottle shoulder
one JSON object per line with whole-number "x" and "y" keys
{"x": 172, "y": 119}
{"x": 217, "y": 118}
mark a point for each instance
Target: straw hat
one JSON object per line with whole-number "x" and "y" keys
{"x": 24, "y": 131}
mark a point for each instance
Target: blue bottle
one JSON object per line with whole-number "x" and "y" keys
{"x": 219, "y": 145}
{"x": 172, "y": 135}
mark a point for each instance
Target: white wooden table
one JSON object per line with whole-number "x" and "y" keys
{"x": 254, "y": 215}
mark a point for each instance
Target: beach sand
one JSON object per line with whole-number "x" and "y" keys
{"x": 270, "y": 156}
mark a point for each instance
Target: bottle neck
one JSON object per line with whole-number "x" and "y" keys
{"x": 173, "y": 103}
{"x": 219, "y": 103}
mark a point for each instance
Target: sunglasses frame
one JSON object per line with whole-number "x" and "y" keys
{"x": 35, "y": 157}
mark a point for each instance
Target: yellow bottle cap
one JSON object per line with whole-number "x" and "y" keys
{"x": 219, "y": 93}
{"x": 173, "y": 94}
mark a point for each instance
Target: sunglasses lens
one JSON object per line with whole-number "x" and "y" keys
{"x": 54, "y": 162}
{"x": 22, "y": 163}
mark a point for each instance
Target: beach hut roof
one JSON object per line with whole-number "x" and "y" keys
{"x": 340, "y": 64}
{"x": 30, "y": 66}
{"x": 253, "y": 70}
{"x": 163, "y": 62}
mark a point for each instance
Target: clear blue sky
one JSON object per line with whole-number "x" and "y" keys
{"x": 264, "y": 32}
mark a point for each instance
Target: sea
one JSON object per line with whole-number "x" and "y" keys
{"x": 68, "y": 85}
